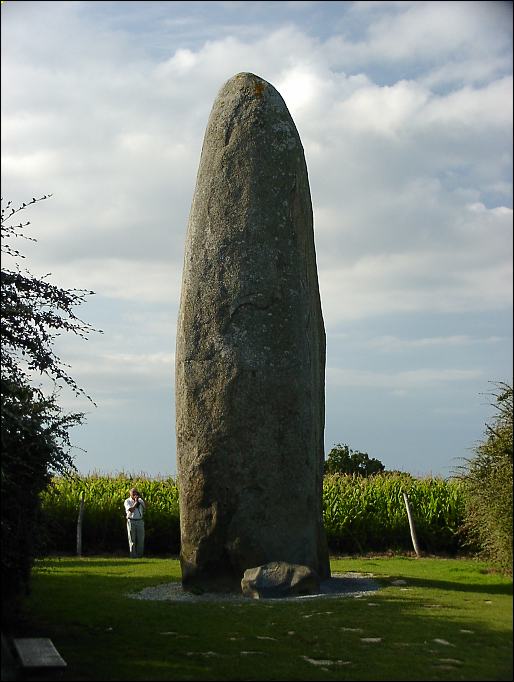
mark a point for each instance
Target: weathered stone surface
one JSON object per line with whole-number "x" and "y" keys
{"x": 250, "y": 354}
{"x": 279, "y": 579}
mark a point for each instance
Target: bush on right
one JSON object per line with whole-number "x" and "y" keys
{"x": 487, "y": 485}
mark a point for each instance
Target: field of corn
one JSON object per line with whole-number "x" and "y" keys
{"x": 360, "y": 514}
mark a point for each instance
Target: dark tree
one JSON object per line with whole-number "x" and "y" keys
{"x": 342, "y": 460}
{"x": 35, "y": 430}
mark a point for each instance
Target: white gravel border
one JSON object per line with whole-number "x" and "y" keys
{"x": 339, "y": 585}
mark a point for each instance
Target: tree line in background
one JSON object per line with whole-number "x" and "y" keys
{"x": 36, "y": 440}
{"x": 343, "y": 460}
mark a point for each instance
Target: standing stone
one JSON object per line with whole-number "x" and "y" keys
{"x": 250, "y": 355}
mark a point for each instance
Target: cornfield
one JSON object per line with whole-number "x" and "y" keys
{"x": 360, "y": 514}
{"x": 104, "y": 524}
{"x": 367, "y": 514}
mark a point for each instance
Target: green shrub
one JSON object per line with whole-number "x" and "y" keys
{"x": 487, "y": 481}
{"x": 34, "y": 439}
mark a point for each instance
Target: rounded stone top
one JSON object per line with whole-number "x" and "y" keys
{"x": 249, "y": 125}
{"x": 246, "y": 76}
{"x": 248, "y": 83}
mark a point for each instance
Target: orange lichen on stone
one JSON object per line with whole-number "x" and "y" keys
{"x": 259, "y": 89}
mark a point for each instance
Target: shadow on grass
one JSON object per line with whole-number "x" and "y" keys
{"x": 447, "y": 585}
{"x": 86, "y": 564}
{"x": 84, "y": 607}
{"x": 92, "y": 563}
{"x": 254, "y": 642}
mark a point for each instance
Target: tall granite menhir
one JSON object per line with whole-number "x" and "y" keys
{"x": 250, "y": 355}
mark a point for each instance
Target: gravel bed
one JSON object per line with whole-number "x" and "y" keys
{"x": 339, "y": 585}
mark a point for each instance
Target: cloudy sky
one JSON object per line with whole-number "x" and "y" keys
{"x": 405, "y": 113}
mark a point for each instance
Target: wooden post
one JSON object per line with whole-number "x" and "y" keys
{"x": 411, "y": 525}
{"x": 79, "y": 525}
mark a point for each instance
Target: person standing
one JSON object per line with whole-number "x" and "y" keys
{"x": 135, "y": 508}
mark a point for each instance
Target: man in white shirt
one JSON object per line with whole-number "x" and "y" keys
{"x": 134, "y": 508}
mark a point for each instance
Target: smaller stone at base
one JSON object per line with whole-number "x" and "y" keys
{"x": 279, "y": 579}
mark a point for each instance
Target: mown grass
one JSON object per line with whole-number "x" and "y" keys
{"x": 451, "y": 620}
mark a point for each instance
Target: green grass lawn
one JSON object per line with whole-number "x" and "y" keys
{"x": 450, "y": 620}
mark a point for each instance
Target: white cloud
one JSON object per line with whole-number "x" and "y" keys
{"x": 124, "y": 279}
{"x": 127, "y": 366}
{"x": 99, "y": 368}
{"x": 428, "y": 28}
{"x": 475, "y": 70}
{"x": 428, "y": 281}
{"x": 400, "y": 381}
{"x": 476, "y": 108}
{"x": 425, "y": 33}
{"x": 393, "y": 344}
{"x": 302, "y": 88}
{"x": 384, "y": 110}
{"x": 405, "y": 114}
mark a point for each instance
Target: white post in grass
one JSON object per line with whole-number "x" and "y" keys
{"x": 79, "y": 525}
{"x": 411, "y": 525}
